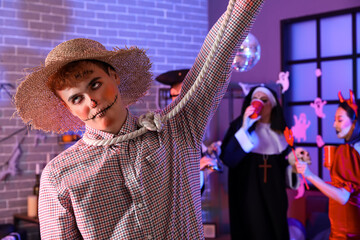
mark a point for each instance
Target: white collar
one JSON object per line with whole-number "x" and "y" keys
{"x": 266, "y": 141}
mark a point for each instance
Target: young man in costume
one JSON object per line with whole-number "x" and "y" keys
{"x": 343, "y": 190}
{"x": 143, "y": 188}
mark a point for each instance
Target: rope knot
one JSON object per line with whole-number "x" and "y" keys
{"x": 151, "y": 121}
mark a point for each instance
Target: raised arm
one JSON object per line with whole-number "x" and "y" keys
{"x": 341, "y": 195}
{"x": 200, "y": 108}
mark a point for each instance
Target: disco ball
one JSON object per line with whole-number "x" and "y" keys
{"x": 247, "y": 54}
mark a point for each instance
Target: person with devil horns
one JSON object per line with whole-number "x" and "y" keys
{"x": 344, "y": 189}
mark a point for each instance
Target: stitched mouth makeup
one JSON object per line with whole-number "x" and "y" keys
{"x": 102, "y": 112}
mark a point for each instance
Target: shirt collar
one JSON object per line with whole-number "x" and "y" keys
{"x": 128, "y": 127}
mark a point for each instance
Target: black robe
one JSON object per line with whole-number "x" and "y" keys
{"x": 258, "y": 210}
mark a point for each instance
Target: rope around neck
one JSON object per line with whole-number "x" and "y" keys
{"x": 153, "y": 121}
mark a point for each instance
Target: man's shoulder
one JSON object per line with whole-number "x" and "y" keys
{"x": 73, "y": 150}
{"x": 68, "y": 159}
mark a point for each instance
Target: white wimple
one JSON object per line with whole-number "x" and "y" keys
{"x": 153, "y": 121}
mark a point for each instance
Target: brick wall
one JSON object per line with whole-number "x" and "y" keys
{"x": 171, "y": 30}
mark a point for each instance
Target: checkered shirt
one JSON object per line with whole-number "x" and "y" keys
{"x": 147, "y": 187}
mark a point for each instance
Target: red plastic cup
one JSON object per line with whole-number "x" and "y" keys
{"x": 329, "y": 154}
{"x": 258, "y": 105}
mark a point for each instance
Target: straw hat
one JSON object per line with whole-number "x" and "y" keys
{"x": 38, "y": 106}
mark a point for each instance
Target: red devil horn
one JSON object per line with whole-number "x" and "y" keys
{"x": 341, "y": 98}
{"x": 352, "y": 97}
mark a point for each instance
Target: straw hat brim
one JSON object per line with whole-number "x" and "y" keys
{"x": 40, "y": 108}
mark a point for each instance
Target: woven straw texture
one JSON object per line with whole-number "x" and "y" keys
{"x": 40, "y": 108}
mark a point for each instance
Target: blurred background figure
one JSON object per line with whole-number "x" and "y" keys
{"x": 344, "y": 164}
{"x": 256, "y": 152}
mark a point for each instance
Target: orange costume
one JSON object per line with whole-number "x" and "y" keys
{"x": 345, "y": 173}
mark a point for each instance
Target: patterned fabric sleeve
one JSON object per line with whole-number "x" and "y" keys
{"x": 345, "y": 171}
{"x": 56, "y": 217}
{"x": 201, "y": 107}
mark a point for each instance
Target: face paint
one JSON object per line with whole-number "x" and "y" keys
{"x": 342, "y": 123}
{"x": 99, "y": 87}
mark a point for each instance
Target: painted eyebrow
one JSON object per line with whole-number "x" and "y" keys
{"x": 89, "y": 84}
{"x": 92, "y": 81}
{"x": 71, "y": 97}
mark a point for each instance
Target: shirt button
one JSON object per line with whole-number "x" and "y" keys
{"x": 149, "y": 237}
{"x": 129, "y": 176}
{"x": 140, "y": 205}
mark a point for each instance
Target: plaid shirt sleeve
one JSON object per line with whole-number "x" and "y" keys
{"x": 56, "y": 213}
{"x": 201, "y": 107}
